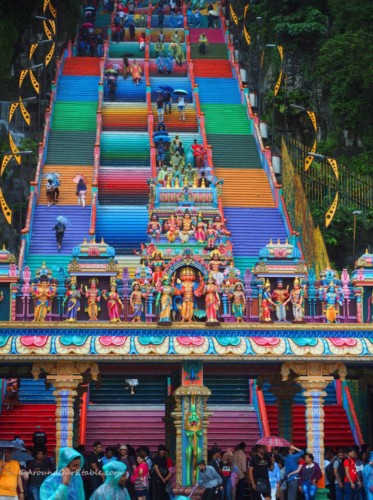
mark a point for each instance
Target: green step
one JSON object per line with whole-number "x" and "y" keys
{"x": 121, "y": 48}
{"x": 234, "y": 151}
{"x": 103, "y": 21}
{"x": 213, "y": 51}
{"x": 243, "y": 263}
{"x": 74, "y": 116}
{"x": 226, "y": 119}
{"x": 53, "y": 262}
{"x": 70, "y": 148}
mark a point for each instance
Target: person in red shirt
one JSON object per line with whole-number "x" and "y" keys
{"x": 351, "y": 481}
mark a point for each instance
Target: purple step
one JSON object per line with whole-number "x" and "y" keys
{"x": 252, "y": 229}
{"x": 43, "y": 239}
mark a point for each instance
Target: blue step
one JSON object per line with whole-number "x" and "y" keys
{"x": 122, "y": 226}
{"x": 218, "y": 91}
{"x": 330, "y": 399}
{"x": 43, "y": 239}
{"x": 34, "y": 392}
{"x": 78, "y": 88}
{"x": 127, "y": 90}
{"x": 228, "y": 390}
{"x": 112, "y": 391}
{"x": 252, "y": 228}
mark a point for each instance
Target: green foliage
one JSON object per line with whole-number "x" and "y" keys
{"x": 305, "y": 25}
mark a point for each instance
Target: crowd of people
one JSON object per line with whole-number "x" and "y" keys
{"x": 121, "y": 472}
{"x": 186, "y": 166}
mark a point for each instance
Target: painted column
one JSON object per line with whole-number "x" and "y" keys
{"x": 313, "y": 377}
{"x": 190, "y": 419}
{"x": 65, "y": 377}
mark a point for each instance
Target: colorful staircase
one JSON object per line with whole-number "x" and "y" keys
{"x": 247, "y": 198}
{"x": 114, "y": 416}
{"x": 37, "y": 407}
{"x": 69, "y": 153}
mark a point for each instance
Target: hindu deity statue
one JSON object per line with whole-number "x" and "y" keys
{"x": 164, "y": 298}
{"x": 219, "y": 225}
{"x": 231, "y": 273}
{"x": 157, "y": 266}
{"x": 93, "y": 295}
{"x": 280, "y": 297}
{"x": 188, "y": 289}
{"x": 187, "y": 227}
{"x": 172, "y": 228}
{"x": 72, "y": 297}
{"x": 136, "y": 301}
{"x": 211, "y": 235}
{"x": 215, "y": 264}
{"x": 154, "y": 227}
{"x": 114, "y": 304}
{"x": 194, "y": 432}
{"x": 212, "y": 300}
{"x": 238, "y": 301}
{"x": 200, "y": 234}
{"x": 267, "y": 303}
{"x": 143, "y": 272}
{"x": 332, "y": 299}
{"x": 297, "y": 301}
{"x": 43, "y": 294}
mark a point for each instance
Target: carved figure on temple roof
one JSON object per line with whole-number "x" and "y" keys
{"x": 280, "y": 297}
{"x": 215, "y": 264}
{"x": 93, "y": 295}
{"x": 238, "y": 301}
{"x": 154, "y": 227}
{"x": 114, "y": 304}
{"x": 43, "y": 294}
{"x": 72, "y": 297}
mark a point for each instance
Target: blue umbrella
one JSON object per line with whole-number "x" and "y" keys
{"x": 163, "y": 138}
{"x": 162, "y": 133}
{"x": 166, "y": 88}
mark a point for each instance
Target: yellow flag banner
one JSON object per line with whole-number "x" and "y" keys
{"x": 278, "y": 83}
{"x": 45, "y": 5}
{"x": 233, "y": 14}
{"x": 25, "y": 113}
{"x": 53, "y": 24}
{"x": 333, "y": 163}
{"x": 247, "y": 35}
{"x": 12, "y": 109}
{"x": 34, "y": 82}
{"x": 329, "y": 216}
{"x": 4, "y": 163}
{"x": 312, "y": 117}
{"x": 246, "y": 9}
{"x": 49, "y": 56}
{"x": 280, "y": 49}
{"x": 5, "y": 208}
{"x": 32, "y": 50}
{"x": 47, "y": 31}
{"x": 22, "y": 75}
{"x": 14, "y": 149}
{"x": 52, "y": 9}
{"x": 309, "y": 159}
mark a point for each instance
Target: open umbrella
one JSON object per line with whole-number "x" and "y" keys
{"x": 89, "y": 8}
{"x": 63, "y": 220}
{"x": 180, "y": 92}
{"x": 274, "y": 442}
{"x": 77, "y": 178}
{"x": 213, "y": 13}
{"x": 8, "y": 444}
{"x": 163, "y": 138}
{"x": 162, "y": 133}
{"x": 21, "y": 456}
{"x": 87, "y": 25}
{"x": 166, "y": 88}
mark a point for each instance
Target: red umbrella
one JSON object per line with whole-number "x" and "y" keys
{"x": 274, "y": 442}
{"x": 87, "y": 25}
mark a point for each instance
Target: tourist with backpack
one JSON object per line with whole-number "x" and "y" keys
{"x": 335, "y": 474}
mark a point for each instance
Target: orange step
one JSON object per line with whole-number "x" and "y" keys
{"x": 173, "y": 123}
{"x": 245, "y": 188}
{"x": 68, "y": 187}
